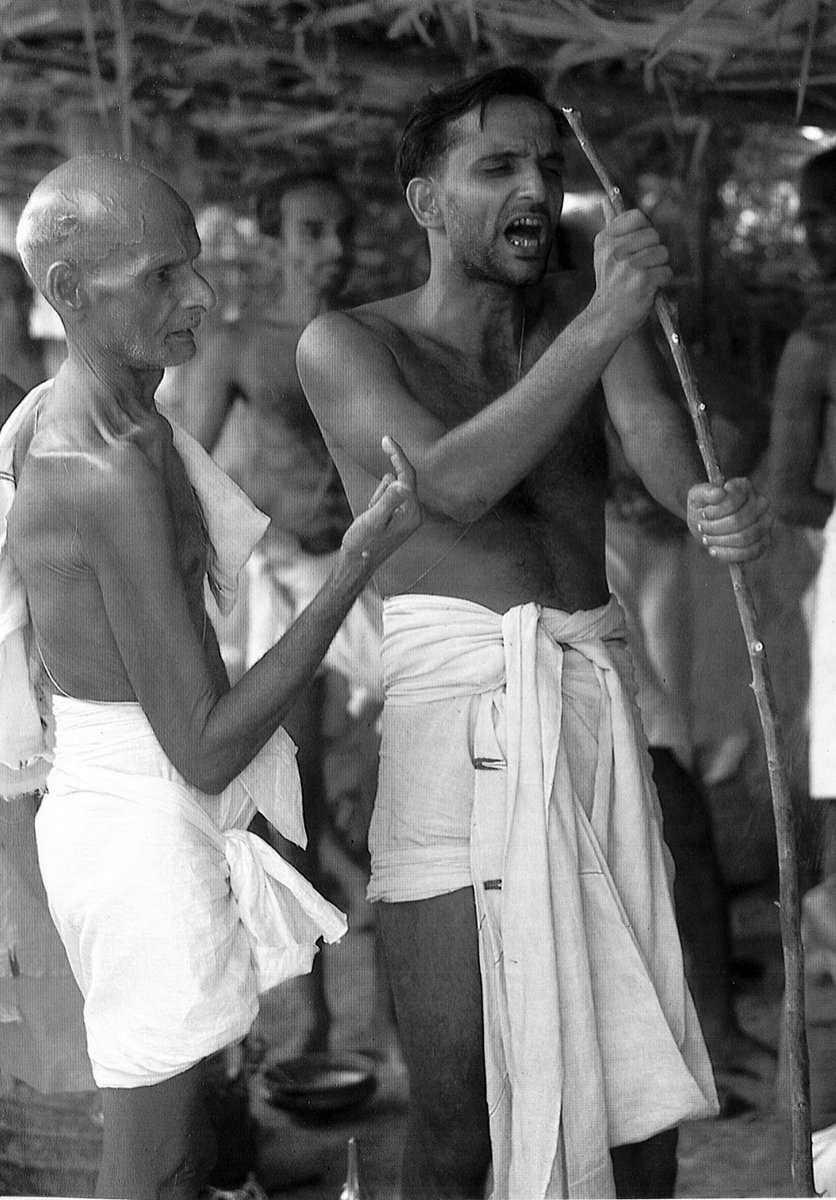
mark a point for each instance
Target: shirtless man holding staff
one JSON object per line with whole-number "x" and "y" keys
{"x": 535, "y": 962}
{"x": 173, "y": 917}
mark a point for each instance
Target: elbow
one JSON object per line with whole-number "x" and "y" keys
{"x": 783, "y": 507}
{"x": 206, "y": 772}
{"x": 785, "y": 501}
{"x": 210, "y": 784}
{"x": 458, "y": 504}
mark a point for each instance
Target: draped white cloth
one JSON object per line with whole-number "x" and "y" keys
{"x": 591, "y": 1038}
{"x": 234, "y": 525}
{"x": 173, "y": 917}
{"x": 22, "y": 744}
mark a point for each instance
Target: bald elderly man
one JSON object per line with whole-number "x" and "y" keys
{"x": 174, "y": 918}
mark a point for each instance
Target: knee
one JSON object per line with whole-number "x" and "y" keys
{"x": 685, "y": 813}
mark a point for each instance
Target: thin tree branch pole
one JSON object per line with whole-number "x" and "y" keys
{"x": 789, "y": 901}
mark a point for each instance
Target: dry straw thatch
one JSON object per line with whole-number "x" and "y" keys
{"x": 226, "y": 88}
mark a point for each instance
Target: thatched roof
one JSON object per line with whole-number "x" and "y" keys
{"x": 226, "y": 89}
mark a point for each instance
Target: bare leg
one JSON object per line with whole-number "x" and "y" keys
{"x": 158, "y": 1142}
{"x": 304, "y": 724}
{"x": 646, "y": 1169}
{"x": 432, "y": 954}
{"x": 701, "y": 910}
{"x": 702, "y": 918}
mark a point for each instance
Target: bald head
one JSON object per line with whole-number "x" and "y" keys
{"x": 86, "y": 209}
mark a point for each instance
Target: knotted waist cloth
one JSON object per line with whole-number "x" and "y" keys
{"x": 173, "y": 916}
{"x": 514, "y": 761}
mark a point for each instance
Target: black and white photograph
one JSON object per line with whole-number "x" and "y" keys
{"x": 417, "y": 550}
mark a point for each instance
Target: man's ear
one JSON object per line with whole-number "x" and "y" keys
{"x": 422, "y": 198}
{"x": 64, "y": 289}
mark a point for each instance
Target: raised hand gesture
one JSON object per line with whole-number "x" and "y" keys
{"x": 393, "y": 513}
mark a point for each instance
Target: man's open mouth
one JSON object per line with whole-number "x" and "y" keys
{"x": 525, "y": 233}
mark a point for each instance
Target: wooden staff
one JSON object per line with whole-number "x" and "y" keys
{"x": 789, "y": 903}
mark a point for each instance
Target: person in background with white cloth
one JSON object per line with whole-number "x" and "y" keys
{"x": 802, "y": 456}
{"x": 240, "y": 396}
{"x": 173, "y": 917}
{"x": 516, "y": 841}
{"x": 802, "y": 462}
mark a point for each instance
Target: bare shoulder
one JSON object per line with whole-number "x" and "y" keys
{"x": 381, "y": 321}
{"x": 99, "y": 473}
{"x": 353, "y": 342}
{"x": 803, "y": 364}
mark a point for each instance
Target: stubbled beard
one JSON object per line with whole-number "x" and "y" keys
{"x": 484, "y": 263}
{"x": 488, "y": 270}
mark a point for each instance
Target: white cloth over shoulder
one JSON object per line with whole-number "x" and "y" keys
{"x": 234, "y": 525}
{"x": 22, "y": 745}
{"x": 591, "y": 1038}
{"x": 173, "y": 916}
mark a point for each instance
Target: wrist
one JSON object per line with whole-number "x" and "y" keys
{"x": 603, "y": 322}
{"x": 351, "y": 571}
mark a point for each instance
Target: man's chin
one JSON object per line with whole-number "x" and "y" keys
{"x": 179, "y": 348}
{"x": 525, "y": 272}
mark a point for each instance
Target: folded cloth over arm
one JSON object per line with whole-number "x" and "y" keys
{"x": 23, "y": 747}
{"x": 591, "y": 1037}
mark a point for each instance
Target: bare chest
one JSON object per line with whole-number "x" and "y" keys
{"x": 455, "y": 389}
{"x": 268, "y": 378}
{"x": 188, "y": 528}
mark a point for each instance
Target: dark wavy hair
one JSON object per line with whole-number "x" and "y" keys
{"x": 426, "y": 135}
{"x": 268, "y": 197}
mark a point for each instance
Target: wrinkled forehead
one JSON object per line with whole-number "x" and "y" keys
{"x": 518, "y": 125}
{"x": 148, "y": 219}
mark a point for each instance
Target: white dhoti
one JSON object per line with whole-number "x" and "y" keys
{"x": 513, "y": 761}
{"x": 174, "y": 918}
{"x": 823, "y": 674}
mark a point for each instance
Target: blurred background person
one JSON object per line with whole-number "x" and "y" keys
{"x": 21, "y": 355}
{"x": 241, "y": 397}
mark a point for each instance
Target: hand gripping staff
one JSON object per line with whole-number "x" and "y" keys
{"x": 789, "y": 904}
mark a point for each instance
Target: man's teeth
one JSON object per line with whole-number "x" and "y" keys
{"x": 524, "y": 231}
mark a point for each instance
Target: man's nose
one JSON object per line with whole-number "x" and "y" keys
{"x": 200, "y": 293}
{"x": 532, "y": 183}
{"x": 334, "y": 244}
